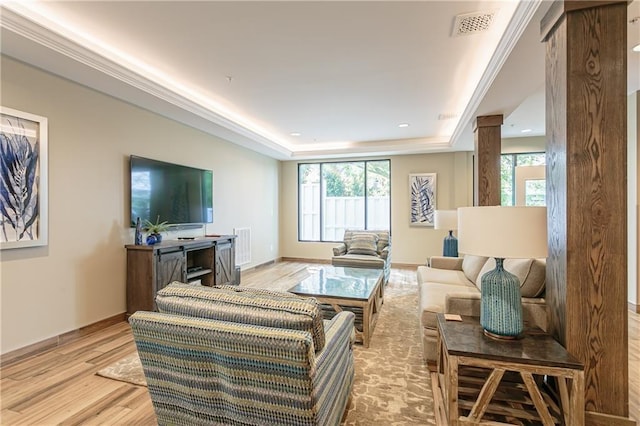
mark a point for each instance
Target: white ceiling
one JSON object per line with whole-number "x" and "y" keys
{"x": 342, "y": 74}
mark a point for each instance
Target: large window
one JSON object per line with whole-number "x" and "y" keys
{"x": 333, "y": 197}
{"x": 532, "y": 186}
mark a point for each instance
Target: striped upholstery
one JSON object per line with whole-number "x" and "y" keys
{"x": 250, "y": 306}
{"x": 203, "y": 371}
{"x": 380, "y": 260}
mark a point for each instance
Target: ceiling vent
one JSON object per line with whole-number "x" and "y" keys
{"x": 472, "y": 23}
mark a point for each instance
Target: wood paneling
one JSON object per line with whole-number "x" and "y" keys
{"x": 488, "y": 144}
{"x": 586, "y": 196}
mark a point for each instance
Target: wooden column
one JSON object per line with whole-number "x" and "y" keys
{"x": 586, "y": 124}
{"x": 486, "y": 170}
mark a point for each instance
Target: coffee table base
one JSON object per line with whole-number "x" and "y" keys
{"x": 366, "y": 313}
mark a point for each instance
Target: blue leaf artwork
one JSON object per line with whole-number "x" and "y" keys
{"x": 19, "y": 179}
{"x": 423, "y": 198}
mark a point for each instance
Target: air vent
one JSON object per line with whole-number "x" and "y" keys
{"x": 447, "y": 116}
{"x": 472, "y": 23}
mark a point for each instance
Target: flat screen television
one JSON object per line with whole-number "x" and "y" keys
{"x": 174, "y": 193}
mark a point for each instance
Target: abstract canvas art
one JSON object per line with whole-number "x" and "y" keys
{"x": 23, "y": 179}
{"x": 422, "y": 187}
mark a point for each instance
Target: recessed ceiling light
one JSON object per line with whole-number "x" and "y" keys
{"x": 295, "y": 134}
{"x": 403, "y": 125}
{"x": 636, "y": 48}
{"x": 526, "y": 130}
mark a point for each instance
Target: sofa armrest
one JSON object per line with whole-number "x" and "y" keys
{"x": 465, "y": 304}
{"x": 340, "y": 250}
{"x": 443, "y": 262}
{"x": 534, "y": 310}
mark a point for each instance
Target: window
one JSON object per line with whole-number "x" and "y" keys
{"x": 534, "y": 188}
{"x": 333, "y": 197}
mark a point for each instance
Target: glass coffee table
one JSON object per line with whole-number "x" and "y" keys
{"x": 338, "y": 289}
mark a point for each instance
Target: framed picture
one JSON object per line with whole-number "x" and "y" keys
{"x": 422, "y": 187}
{"x": 23, "y": 179}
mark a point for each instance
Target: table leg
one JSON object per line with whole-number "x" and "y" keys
{"x": 576, "y": 399}
{"x": 452, "y": 390}
{"x": 366, "y": 322}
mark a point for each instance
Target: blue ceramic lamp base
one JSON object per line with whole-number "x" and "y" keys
{"x": 500, "y": 303}
{"x": 450, "y": 246}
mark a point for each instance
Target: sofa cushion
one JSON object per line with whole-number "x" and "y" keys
{"x": 364, "y": 243}
{"x": 471, "y": 266}
{"x": 266, "y": 308}
{"x": 358, "y": 261}
{"x": 530, "y": 273}
{"x": 432, "y": 296}
{"x": 535, "y": 282}
{"x": 446, "y": 276}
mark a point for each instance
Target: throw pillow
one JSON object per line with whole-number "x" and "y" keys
{"x": 471, "y": 266}
{"x": 364, "y": 243}
{"x": 530, "y": 273}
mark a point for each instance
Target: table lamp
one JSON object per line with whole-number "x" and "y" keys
{"x": 502, "y": 232}
{"x": 447, "y": 219}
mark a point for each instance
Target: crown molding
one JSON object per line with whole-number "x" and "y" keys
{"x": 525, "y": 10}
{"x": 31, "y": 25}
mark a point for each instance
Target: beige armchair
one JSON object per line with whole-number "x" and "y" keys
{"x": 364, "y": 249}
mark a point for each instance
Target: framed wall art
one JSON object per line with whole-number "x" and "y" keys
{"x": 23, "y": 179}
{"x": 422, "y": 187}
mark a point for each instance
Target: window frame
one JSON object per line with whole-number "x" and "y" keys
{"x": 321, "y": 183}
{"x": 514, "y": 164}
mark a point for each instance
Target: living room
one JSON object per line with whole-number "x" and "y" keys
{"x": 78, "y": 278}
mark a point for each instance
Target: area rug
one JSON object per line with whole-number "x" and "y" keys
{"x": 392, "y": 385}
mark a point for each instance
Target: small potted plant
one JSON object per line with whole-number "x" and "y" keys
{"x": 154, "y": 230}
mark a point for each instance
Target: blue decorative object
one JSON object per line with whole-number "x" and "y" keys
{"x": 151, "y": 239}
{"x": 138, "y": 238}
{"x": 450, "y": 247}
{"x": 158, "y": 237}
{"x": 500, "y": 303}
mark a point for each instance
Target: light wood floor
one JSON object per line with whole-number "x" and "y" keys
{"x": 59, "y": 386}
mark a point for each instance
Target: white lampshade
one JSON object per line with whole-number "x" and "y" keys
{"x": 445, "y": 219}
{"x": 503, "y": 232}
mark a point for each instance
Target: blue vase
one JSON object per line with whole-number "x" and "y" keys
{"x": 500, "y": 303}
{"x": 151, "y": 239}
{"x": 450, "y": 246}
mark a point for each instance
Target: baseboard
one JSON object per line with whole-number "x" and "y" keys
{"x": 591, "y": 418}
{"x": 405, "y": 265}
{"x": 633, "y": 307}
{"x": 300, "y": 259}
{"x": 59, "y": 340}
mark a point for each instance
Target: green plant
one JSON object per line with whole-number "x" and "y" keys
{"x": 155, "y": 228}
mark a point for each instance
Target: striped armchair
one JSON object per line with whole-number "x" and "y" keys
{"x": 364, "y": 249}
{"x": 237, "y": 356}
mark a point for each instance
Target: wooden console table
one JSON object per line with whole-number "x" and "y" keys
{"x": 482, "y": 380}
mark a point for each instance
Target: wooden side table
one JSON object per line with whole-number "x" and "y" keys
{"x": 483, "y": 380}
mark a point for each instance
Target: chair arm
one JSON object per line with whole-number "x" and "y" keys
{"x": 337, "y": 354}
{"x": 443, "y": 262}
{"x": 465, "y": 304}
{"x": 340, "y": 250}
{"x": 385, "y": 253}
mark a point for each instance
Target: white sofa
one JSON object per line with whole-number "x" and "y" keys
{"x": 452, "y": 285}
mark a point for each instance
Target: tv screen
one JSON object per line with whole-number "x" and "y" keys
{"x": 172, "y": 192}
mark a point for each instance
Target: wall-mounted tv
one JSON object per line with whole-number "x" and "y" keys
{"x": 177, "y": 194}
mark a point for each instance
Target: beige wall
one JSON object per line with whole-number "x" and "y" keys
{"x": 79, "y": 278}
{"x": 523, "y": 145}
{"x": 411, "y": 245}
